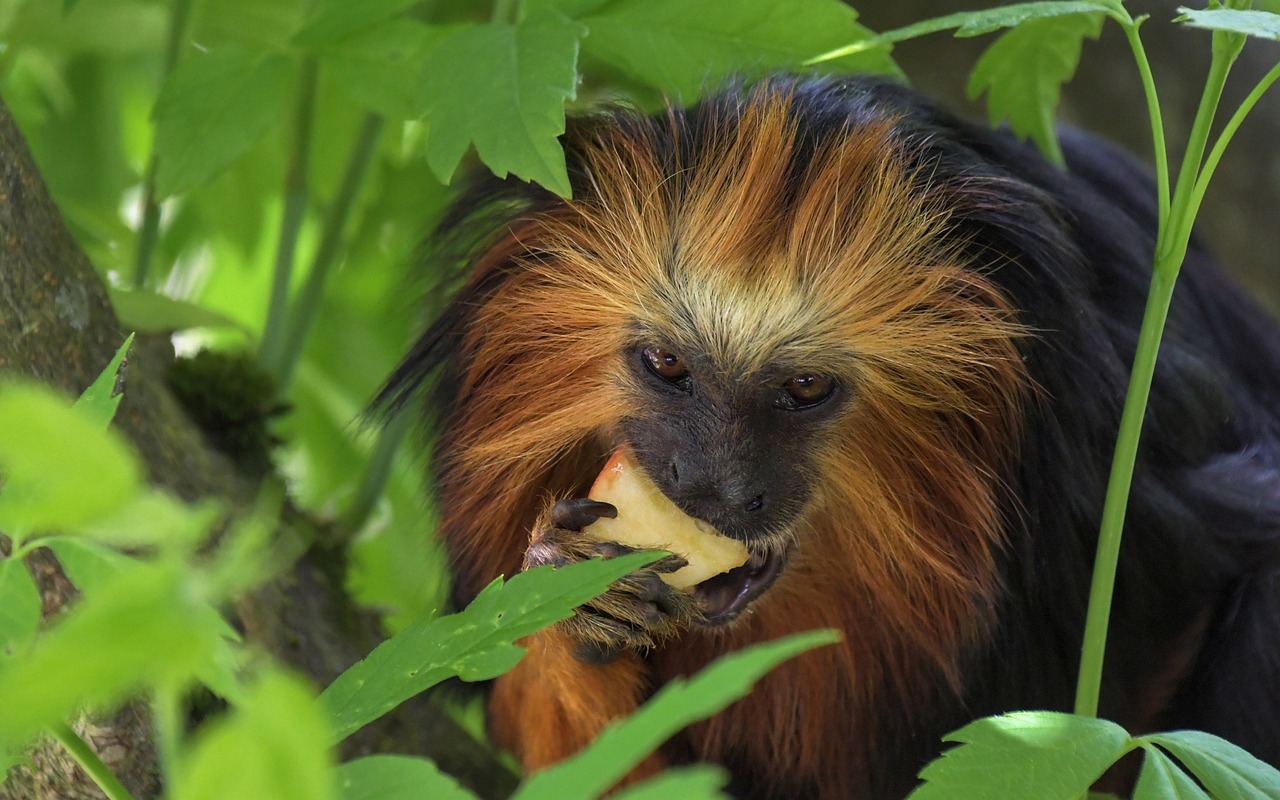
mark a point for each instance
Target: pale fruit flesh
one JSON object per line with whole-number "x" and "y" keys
{"x": 647, "y": 520}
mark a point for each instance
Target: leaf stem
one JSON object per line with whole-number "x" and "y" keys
{"x": 166, "y": 728}
{"x": 295, "y": 205}
{"x": 1171, "y": 246}
{"x": 1224, "y": 138}
{"x": 150, "y": 230}
{"x": 88, "y": 760}
{"x": 1160, "y": 151}
{"x": 308, "y": 303}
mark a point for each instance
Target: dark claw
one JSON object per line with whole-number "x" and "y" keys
{"x": 576, "y": 514}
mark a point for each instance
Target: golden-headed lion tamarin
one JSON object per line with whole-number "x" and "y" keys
{"x": 887, "y": 350}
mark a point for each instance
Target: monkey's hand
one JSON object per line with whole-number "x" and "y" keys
{"x": 636, "y": 613}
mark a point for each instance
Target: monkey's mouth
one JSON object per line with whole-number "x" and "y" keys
{"x": 727, "y": 595}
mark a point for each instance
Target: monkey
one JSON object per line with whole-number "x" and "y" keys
{"x": 887, "y": 349}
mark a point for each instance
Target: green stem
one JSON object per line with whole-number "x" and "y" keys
{"x": 1171, "y": 246}
{"x": 166, "y": 731}
{"x": 88, "y": 760}
{"x": 377, "y": 471}
{"x": 1224, "y": 138}
{"x": 295, "y": 205}
{"x": 505, "y": 10}
{"x": 150, "y": 230}
{"x": 308, "y": 302}
{"x": 1225, "y": 50}
{"x": 1160, "y": 151}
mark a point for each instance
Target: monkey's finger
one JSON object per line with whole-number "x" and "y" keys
{"x": 669, "y": 564}
{"x": 596, "y": 653}
{"x": 578, "y": 513}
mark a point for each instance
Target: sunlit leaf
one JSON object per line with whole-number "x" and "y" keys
{"x": 502, "y": 88}
{"x": 1161, "y": 779}
{"x": 380, "y": 68}
{"x": 1259, "y": 24}
{"x": 141, "y": 629}
{"x": 334, "y": 20}
{"x": 275, "y": 744}
{"x": 19, "y": 606}
{"x": 1040, "y": 754}
{"x": 1022, "y": 74}
{"x": 61, "y": 468}
{"x": 475, "y": 644}
{"x": 397, "y": 778}
{"x": 150, "y": 312}
{"x": 685, "y": 48}
{"x": 100, "y": 401}
{"x": 676, "y": 705}
{"x": 1226, "y": 770}
{"x": 212, "y": 109}
{"x": 702, "y": 782}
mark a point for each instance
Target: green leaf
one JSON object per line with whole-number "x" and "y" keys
{"x": 977, "y": 23}
{"x": 212, "y": 109}
{"x": 19, "y": 606}
{"x": 1040, "y": 754}
{"x": 396, "y": 778}
{"x": 1161, "y": 779}
{"x": 88, "y": 564}
{"x": 150, "y": 312}
{"x": 475, "y": 644}
{"x": 275, "y": 745}
{"x": 1259, "y": 24}
{"x": 703, "y": 782}
{"x": 153, "y": 517}
{"x": 334, "y": 20}
{"x": 1023, "y": 71}
{"x": 61, "y": 468}
{"x": 681, "y": 702}
{"x": 1227, "y": 771}
{"x": 684, "y": 48}
{"x": 100, "y": 401}
{"x": 503, "y": 88}
{"x": 380, "y": 68}
{"x": 142, "y": 629}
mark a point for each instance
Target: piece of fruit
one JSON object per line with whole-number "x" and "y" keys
{"x": 647, "y": 520}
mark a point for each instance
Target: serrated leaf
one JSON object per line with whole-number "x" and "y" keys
{"x": 703, "y": 782}
{"x": 100, "y": 401}
{"x": 61, "y": 468}
{"x": 397, "y": 778}
{"x": 680, "y": 703}
{"x": 19, "y": 606}
{"x": 1227, "y": 771}
{"x": 142, "y": 629}
{"x": 150, "y": 312}
{"x": 475, "y": 644}
{"x": 380, "y": 69}
{"x": 275, "y": 745}
{"x": 1161, "y": 779}
{"x": 212, "y": 108}
{"x": 1040, "y": 754}
{"x": 334, "y": 20}
{"x": 503, "y": 88}
{"x": 1023, "y": 71}
{"x": 977, "y": 23}
{"x": 1259, "y": 24}
{"x": 684, "y": 48}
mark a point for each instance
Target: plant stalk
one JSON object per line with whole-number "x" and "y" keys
{"x": 1171, "y": 246}
{"x": 88, "y": 760}
{"x": 150, "y": 230}
{"x": 308, "y": 302}
{"x": 271, "y": 351}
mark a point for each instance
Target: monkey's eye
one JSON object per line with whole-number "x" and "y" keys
{"x": 806, "y": 390}
{"x": 665, "y": 364}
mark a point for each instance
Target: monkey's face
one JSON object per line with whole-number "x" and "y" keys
{"x": 733, "y": 448}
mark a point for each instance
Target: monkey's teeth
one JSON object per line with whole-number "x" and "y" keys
{"x": 727, "y": 595}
